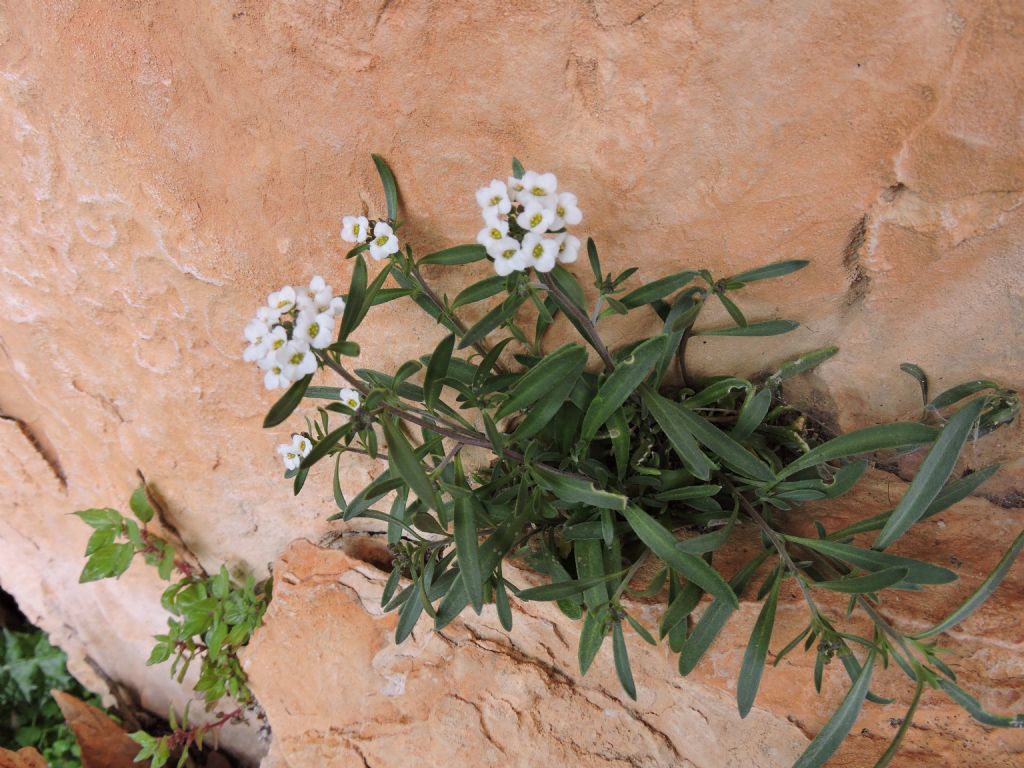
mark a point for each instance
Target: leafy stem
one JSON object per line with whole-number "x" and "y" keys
{"x": 584, "y": 323}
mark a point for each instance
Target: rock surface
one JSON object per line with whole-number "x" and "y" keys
{"x": 166, "y": 165}
{"x": 102, "y": 741}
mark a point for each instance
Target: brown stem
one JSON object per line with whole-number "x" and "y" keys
{"x": 590, "y": 330}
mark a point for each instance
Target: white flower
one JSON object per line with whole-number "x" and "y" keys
{"x": 317, "y": 330}
{"x": 355, "y": 229}
{"x": 257, "y": 334}
{"x": 539, "y": 187}
{"x": 316, "y": 298}
{"x": 568, "y": 247}
{"x": 540, "y": 252}
{"x": 535, "y": 217}
{"x": 508, "y": 258}
{"x": 295, "y": 359}
{"x": 294, "y": 452}
{"x": 515, "y": 187}
{"x": 282, "y": 301}
{"x": 566, "y": 211}
{"x": 336, "y": 306}
{"x": 274, "y": 377}
{"x": 268, "y": 315}
{"x": 384, "y": 242}
{"x": 349, "y": 397}
{"x": 494, "y": 198}
{"x": 494, "y": 230}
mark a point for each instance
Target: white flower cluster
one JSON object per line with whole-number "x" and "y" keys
{"x": 294, "y": 452}
{"x": 295, "y": 321}
{"x": 539, "y": 213}
{"x": 383, "y": 243}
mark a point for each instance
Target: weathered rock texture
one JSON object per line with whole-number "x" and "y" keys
{"x": 165, "y": 165}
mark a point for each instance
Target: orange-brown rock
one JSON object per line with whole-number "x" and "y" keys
{"x": 23, "y": 758}
{"x": 102, "y": 741}
{"x": 165, "y": 165}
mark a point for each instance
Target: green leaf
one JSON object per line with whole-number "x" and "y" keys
{"x": 576, "y": 489}
{"x": 718, "y": 442}
{"x": 757, "y": 650}
{"x": 140, "y": 505}
{"x": 834, "y": 733}
{"x": 872, "y": 560}
{"x": 659, "y": 289}
{"x": 460, "y": 254}
{"x": 354, "y": 300}
{"x": 932, "y": 476}
{"x": 107, "y": 562}
{"x": 666, "y": 413}
{"x": 100, "y": 538}
{"x": 621, "y": 383}
{"x": 387, "y": 178}
{"x": 321, "y": 449}
{"x": 803, "y": 363}
{"x": 566, "y": 362}
{"x": 517, "y": 169}
{"x": 560, "y": 590}
{"x": 467, "y": 546}
{"x": 689, "y": 492}
{"x": 661, "y": 541}
{"x": 502, "y": 604}
{"x": 100, "y": 518}
{"x": 497, "y": 316}
{"x": 975, "y": 710}
{"x": 591, "y": 638}
{"x": 437, "y": 370}
{"x": 408, "y": 615}
{"x": 959, "y": 392}
{"x": 872, "y": 582}
{"x": 767, "y": 328}
{"x": 480, "y": 291}
{"x": 622, "y": 668}
{"x": 540, "y": 413}
{"x": 919, "y": 376}
{"x": 981, "y": 594}
{"x": 900, "y": 434}
{"x": 775, "y": 269}
{"x": 679, "y": 608}
{"x": 406, "y": 464}
{"x": 595, "y": 262}
{"x": 954, "y": 492}
{"x": 289, "y": 401}
{"x": 755, "y": 408}
{"x": 734, "y": 311}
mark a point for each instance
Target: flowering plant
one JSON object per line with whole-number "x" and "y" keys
{"x": 592, "y": 471}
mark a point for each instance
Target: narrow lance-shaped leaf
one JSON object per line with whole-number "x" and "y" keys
{"x": 873, "y": 560}
{"x": 621, "y": 654}
{"x": 658, "y": 289}
{"x": 479, "y": 291}
{"x": 757, "y": 650}
{"x": 664, "y": 545}
{"x": 832, "y": 735}
{"x": 872, "y": 582}
{"x": 919, "y": 376}
{"x": 981, "y": 594}
{"x": 755, "y": 408}
{"x": 621, "y": 383}
{"x": 766, "y": 328}
{"x": 387, "y": 179}
{"x": 975, "y": 710}
{"x": 354, "y": 299}
{"x": 803, "y": 363}
{"x": 901, "y": 434}
{"x": 408, "y": 466}
{"x": 959, "y": 392}
{"x": 322, "y": 448}
{"x": 576, "y": 489}
{"x": 289, "y": 401}
{"x": 500, "y": 314}
{"x": 459, "y": 254}
{"x": 468, "y": 548}
{"x": 560, "y": 590}
{"x": 932, "y": 476}
{"x": 776, "y": 269}
{"x": 683, "y": 442}
{"x": 437, "y": 370}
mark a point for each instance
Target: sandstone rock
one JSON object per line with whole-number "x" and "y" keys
{"x": 23, "y": 758}
{"x": 102, "y": 741}
{"x": 166, "y": 165}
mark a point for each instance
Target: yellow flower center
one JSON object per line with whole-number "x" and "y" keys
{"x": 509, "y": 253}
{"x": 352, "y": 404}
{"x": 496, "y": 199}
{"x": 382, "y": 240}
{"x": 278, "y": 343}
{"x": 314, "y": 329}
{"x": 536, "y": 219}
{"x": 297, "y": 358}
{"x": 355, "y": 229}
{"x": 283, "y": 303}
{"x": 560, "y": 210}
{"x": 539, "y": 191}
{"x": 496, "y": 234}
{"x": 538, "y": 251}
